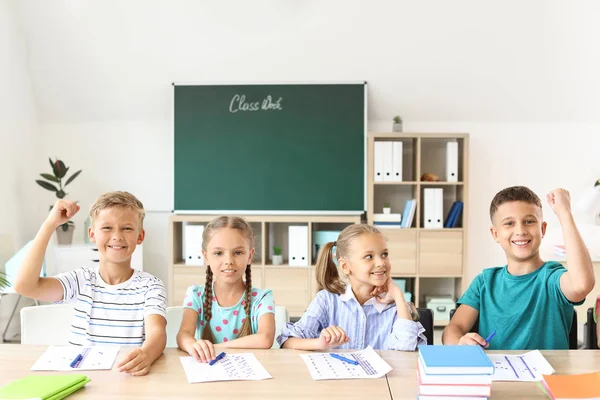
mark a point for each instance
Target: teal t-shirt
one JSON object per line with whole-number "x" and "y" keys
{"x": 226, "y": 322}
{"x": 527, "y": 312}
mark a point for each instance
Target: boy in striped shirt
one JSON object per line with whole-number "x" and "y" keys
{"x": 113, "y": 303}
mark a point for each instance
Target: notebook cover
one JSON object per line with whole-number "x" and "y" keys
{"x": 577, "y": 386}
{"x": 42, "y": 386}
{"x": 455, "y": 358}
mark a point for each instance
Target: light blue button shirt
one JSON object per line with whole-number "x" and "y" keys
{"x": 372, "y": 324}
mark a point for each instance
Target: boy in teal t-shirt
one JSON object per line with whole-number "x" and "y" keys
{"x": 528, "y": 302}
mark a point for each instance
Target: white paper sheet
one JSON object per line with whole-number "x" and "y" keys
{"x": 527, "y": 367}
{"x": 324, "y": 366}
{"x": 59, "y": 358}
{"x": 232, "y": 367}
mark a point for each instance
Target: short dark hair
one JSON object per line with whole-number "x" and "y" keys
{"x": 514, "y": 193}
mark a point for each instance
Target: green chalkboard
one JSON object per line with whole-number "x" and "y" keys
{"x": 270, "y": 147}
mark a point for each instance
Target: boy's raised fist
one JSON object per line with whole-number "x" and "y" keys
{"x": 62, "y": 211}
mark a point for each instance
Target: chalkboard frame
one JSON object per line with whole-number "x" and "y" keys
{"x": 357, "y": 210}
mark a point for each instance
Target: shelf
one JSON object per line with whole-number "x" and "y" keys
{"x": 441, "y": 183}
{"x": 441, "y": 229}
{"x": 396, "y": 183}
{"x": 439, "y": 276}
{"x": 284, "y": 266}
{"x": 442, "y": 322}
{"x": 184, "y": 265}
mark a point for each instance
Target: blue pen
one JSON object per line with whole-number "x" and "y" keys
{"x": 343, "y": 359}
{"x": 487, "y": 339}
{"x": 220, "y": 356}
{"x": 76, "y": 360}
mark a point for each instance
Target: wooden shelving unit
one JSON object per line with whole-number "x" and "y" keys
{"x": 433, "y": 261}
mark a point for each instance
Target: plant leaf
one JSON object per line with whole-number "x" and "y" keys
{"x": 47, "y": 185}
{"x": 72, "y": 177}
{"x": 3, "y": 282}
{"x": 54, "y": 169}
{"x": 50, "y": 178}
{"x": 62, "y": 168}
{"x": 60, "y": 194}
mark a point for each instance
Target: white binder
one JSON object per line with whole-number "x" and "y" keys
{"x": 452, "y": 161}
{"x": 438, "y": 208}
{"x": 433, "y": 208}
{"x": 397, "y": 161}
{"x": 428, "y": 208}
{"x": 298, "y": 245}
{"x": 387, "y": 162}
{"x": 378, "y": 162}
{"x": 192, "y": 244}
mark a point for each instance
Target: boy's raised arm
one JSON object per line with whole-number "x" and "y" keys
{"x": 579, "y": 279}
{"x": 28, "y": 281}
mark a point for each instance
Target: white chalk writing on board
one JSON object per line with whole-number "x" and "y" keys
{"x": 239, "y": 103}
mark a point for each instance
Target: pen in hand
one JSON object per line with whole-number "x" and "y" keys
{"x": 491, "y": 335}
{"x": 217, "y": 358}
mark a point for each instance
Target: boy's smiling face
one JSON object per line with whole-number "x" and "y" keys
{"x": 116, "y": 232}
{"x": 518, "y": 227}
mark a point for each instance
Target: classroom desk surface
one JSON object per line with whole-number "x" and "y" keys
{"x": 167, "y": 380}
{"x": 403, "y": 378}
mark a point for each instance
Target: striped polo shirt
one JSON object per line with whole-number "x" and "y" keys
{"x": 111, "y": 314}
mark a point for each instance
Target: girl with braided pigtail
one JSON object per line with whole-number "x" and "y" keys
{"x": 226, "y": 311}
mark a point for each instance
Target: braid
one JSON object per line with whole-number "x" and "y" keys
{"x": 247, "y": 325}
{"x": 207, "y": 305}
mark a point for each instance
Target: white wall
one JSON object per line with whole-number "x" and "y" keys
{"x": 521, "y": 77}
{"x": 18, "y": 141}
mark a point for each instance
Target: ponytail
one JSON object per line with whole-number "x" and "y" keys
{"x": 328, "y": 277}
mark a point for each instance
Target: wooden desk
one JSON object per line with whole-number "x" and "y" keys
{"x": 291, "y": 379}
{"x": 403, "y": 378}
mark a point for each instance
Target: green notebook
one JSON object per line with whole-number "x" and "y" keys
{"x": 45, "y": 387}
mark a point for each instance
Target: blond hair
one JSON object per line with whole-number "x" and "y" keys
{"x": 118, "y": 199}
{"x": 210, "y": 230}
{"x": 327, "y": 274}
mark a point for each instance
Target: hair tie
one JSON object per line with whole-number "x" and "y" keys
{"x": 335, "y": 242}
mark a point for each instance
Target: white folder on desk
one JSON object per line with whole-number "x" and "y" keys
{"x": 192, "y": 244}
{"x": 452, "y": 161}
{"x": 298, "y": 246}
{"x": 397, "y": 161}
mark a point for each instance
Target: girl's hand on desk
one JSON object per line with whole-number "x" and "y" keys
{"x": 333, "y": 336}
{"x": 203, "y": 351}
{"x": 136, "y": 363}
{"x": 473, "y": 339}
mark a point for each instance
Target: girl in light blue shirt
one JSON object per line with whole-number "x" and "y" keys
{"x": 370, "y": 310}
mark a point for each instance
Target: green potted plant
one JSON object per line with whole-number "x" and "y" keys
{"x": 397, "y": 127}
{"x": 3, "y": 281}
{"x": 277, "y": 257}
{"x": 386, "y": 208}
{"x": 54, "y": 183}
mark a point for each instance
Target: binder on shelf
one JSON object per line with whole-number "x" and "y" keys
{"x": 454, "y": 215}
{"x": 397, "y": 161}
{"x": 452, "y": 161}
{"x": 438, "y": 216}
{"x": 378, "y": 162}
{"x": 298, "y": 245}
{"x": 192, "y": 244}
{"x": 433, "y": 208}
{"x": 387, "y": 162}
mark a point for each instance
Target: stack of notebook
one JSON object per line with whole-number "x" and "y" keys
{"x": 44, "y": 387}
{"x": 454, "y": 373}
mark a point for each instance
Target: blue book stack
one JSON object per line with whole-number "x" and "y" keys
{"x": 454, "y": 373}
